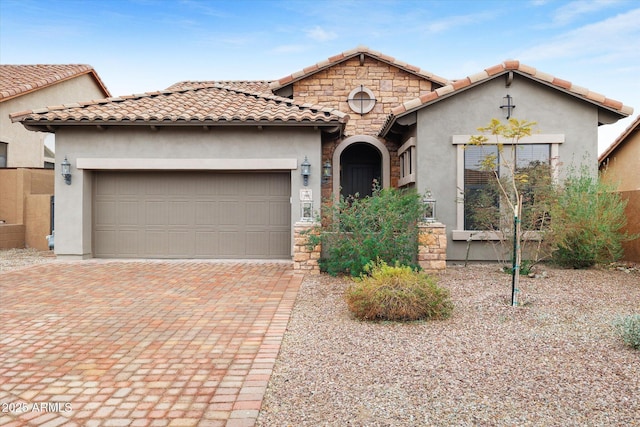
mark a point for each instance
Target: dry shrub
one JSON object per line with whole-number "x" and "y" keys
{"x": 397, "y": 293}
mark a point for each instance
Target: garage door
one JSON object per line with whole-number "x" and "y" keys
{"x": 192, "y": 215}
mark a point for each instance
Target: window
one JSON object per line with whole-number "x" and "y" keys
{"x": 481, "y": 199}
{"x": 3, "y": 154}
{"x": 407, "y": 154}
{"x": 533, "y": 156}
{"x": 361, "y": 100}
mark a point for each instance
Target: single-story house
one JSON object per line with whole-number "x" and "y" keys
{"x": 620, "y": 164}
{"x": 214, "y": 169}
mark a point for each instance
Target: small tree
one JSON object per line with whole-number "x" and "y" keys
{"x": 507, "y": 195}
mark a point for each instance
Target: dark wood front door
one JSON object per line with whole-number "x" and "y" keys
{"x": 361, "y": 168}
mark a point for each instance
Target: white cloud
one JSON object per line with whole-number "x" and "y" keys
{"x": 573, "y": 10}
{"x": 319, "y": 34}
{"x": 616, "y": 38}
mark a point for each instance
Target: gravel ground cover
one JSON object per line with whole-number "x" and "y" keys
{"x": 13, "y": 259}
{"x": 554, "y": 361}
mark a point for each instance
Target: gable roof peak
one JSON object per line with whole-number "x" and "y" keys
{"x": 511, "y": 65}
{"x": 21, "y": 79}
{"x": 348, "y": 54}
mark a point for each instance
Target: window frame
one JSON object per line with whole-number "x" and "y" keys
{"x": 460, "y": 141}
{"x": 407, "y": 155}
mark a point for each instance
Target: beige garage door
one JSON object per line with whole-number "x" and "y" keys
{"x": 192, "y": 215}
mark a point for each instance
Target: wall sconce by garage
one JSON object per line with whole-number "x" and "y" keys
{"x": 305, "y": 171}
{"x": 65, "y": 170}
{"x": 429, "y": 213}
{"x": 507, "y": 103}
{"x": 326, "y": 172}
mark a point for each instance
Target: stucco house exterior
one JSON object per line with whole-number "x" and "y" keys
{"x": 620, "y": 164}
{"x": 25, "y": 87}
{"x": 213, "y": 169}
{"x": 26, "y": 175}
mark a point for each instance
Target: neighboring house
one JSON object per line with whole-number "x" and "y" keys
{"x": 213, "y": 169}
{"x": 621, "y": 166}
{"x": 26, "y": 87}
{"x": 25, "y": 193}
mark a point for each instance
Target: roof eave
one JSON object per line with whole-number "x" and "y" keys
{"x": 393, "y": 117}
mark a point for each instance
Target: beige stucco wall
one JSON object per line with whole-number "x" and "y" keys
{"x": 73, "y": 218}
{"x": 623, "y": 165}
{"x": 26, "y": 148}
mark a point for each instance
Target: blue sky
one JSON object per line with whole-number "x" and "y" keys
{"x": 144, "y": 45}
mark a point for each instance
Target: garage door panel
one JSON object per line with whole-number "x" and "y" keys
{"x": 206, "y": 243}
{"x": 156, "y": 213}
{"x": 255, "y": 213}
{"x": 278, "y": 241}
{"x": 180, "y": 242}
{"x": 232, "y": 243}
{"x": 180, "y": 213}
{"x": 229, "y": 212}
{"x": 279, "y": 213}
{"x": 192, "y": 214}
{"x": 207, "y": 213}
{"x": 127, "y": 213}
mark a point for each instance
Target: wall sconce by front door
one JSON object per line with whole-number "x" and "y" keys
{"x": 306, "y": 205}
{"x": 65, "y": 170}
{"x": 429, "y": 207}
{"x": 507, "y": 103}
{"x": 305, "y": 171}
{"x": 326, "y": 172}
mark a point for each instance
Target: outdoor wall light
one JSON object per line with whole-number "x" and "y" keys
{"x": 65, "y": 170}
{"x": 429, "y": 203}
{"x": 507, "y": 103}
{"x": 305, "y": 170}
{"x": 326, "y": 171}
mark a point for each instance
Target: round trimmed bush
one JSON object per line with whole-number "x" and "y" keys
{"x": 397, "y": 293}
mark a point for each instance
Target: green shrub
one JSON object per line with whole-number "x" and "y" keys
{"x": 629, "y": 330}
{"x": 397, "y": 293}
{"x": 358, "y": 231}
{"x": 587, "y": 221}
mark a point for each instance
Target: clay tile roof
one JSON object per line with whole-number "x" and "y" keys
{"x": 215, "y": 104}
{"x": 633, "y": 127}
{"x": 489, "y": 73}
{"x": 258, "y": 86}
{"x": 17, "y": 80}
{"x": 307, "y": 71}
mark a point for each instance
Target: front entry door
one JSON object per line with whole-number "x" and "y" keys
{"x": 361, "y": 167}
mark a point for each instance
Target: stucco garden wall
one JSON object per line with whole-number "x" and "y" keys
{"x": 25, "y": 200}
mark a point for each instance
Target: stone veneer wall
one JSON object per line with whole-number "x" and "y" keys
{"x": 331, "y": 87}
{"x": 304, "y": 258}
{"x": 432, "y": 249}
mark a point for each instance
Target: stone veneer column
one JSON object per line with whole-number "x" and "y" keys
{"x": 305, "y": 259}
{"x": 432, "y": 246}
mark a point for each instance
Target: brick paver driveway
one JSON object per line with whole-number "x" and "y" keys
{"x": 106, "y": 343}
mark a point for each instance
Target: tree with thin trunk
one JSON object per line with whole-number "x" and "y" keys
{"x": 500, "y": 134}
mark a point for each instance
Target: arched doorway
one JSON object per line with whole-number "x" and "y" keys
{"x": 360, "y": 167}
{"x": 367, "y": 149}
